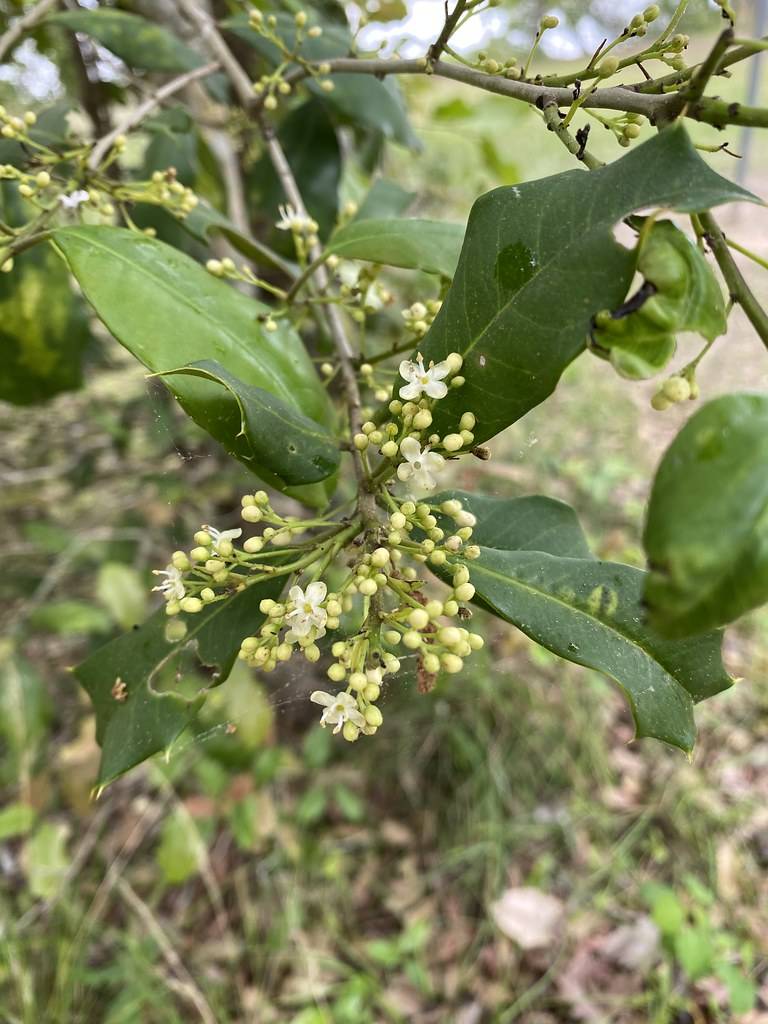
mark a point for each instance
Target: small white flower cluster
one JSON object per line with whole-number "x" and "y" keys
{"x": 418, "y": 464}
{"x": 302, "y": 620}
{"x": 164, "y": 189}
{"x": 418, "y": 317}
{"x": 188, "y": 577}
{"x": 299, "y": 224}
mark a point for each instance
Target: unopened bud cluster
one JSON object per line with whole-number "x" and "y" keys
{"x": 676, "y": 389}
{"x": 273, "y": 86}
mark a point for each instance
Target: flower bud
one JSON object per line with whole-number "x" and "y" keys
{"x": 175, "y": 630}
{"x": 412, "y": 639}
{"x": 608, "y": 66}
{"x": 453, "y": 442}
{"x": 360, "y": 442}
{"x": 549, "y": 21}
{"x": 452, "y": 663}
{"x": 419, "y": 618}
{"x": 431, "y": 663}
{"x": 464, "y": 592}
{"x": 358, "y": 681}
{"x": 207, "y": 595}
{"x": 391, "y": 637}
{"x": 651, "y": 13}
{"x": 676, "y": 389}
{"x": 422, "y": 419}
{"x": 199, "y": 554}
{"x": 180, "y": 561}
{"x": 311, "y": 652}
{"x": 253, "y": 545}
{"x": 336, "y": 672}
{"x": 266, "y": 605}
{"x": 373, "y": 716}
{"x": 350, "y": 731}
{"x": 372, "y": 691}
{"x": 455, "y": 362}
{"x": 367, "y": 587}
{"x": 192, "y": 605}
{"x": 389, "y": 449}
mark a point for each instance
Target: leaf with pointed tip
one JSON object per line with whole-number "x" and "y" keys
{"x": 140, "y": 43}
{"x": 706, "y": 533}
{"x": 134, "y": 720}
{"x": 538, "y": 261}
{"x": 169, "y": 312}
{"x": 591, "y": 612}
{"x": 254, "y": 425}
{"x": 429, "y": 245}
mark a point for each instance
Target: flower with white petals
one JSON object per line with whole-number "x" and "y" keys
{"x": 422, "y": 381}
{"x": 217, "y": 536}
{"x": 306, "y": 616}
{"x": 172, "y": 587}
{"x": 74, "y": 199}
{"x": 291, "y": 220}
{"x": 339, "y": 708}
{"x": 420, "y": 466}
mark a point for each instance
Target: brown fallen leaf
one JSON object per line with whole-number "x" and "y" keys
{"x": 529, "y": 916}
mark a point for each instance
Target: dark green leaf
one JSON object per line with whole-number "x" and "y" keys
{"x": 255, "y": 426}
{"x": 538, "y": 261}
{"x": 362, "y": 99}
{"x": 530, "y": 523}
{"x": 140, "y": 43}
{"x": 590, "y": 612}
{"x": 429, "y": 245}
{"x": 169, "y": 312}
{"x": 135, "y": 720}
{"x": 707, "y": 529}
{"x": 311, "y": 146}
{"x": 43, "y": 329}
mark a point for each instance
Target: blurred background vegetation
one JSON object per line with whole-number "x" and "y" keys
{"x": 502, "y": 851}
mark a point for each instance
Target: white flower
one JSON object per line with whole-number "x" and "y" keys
{"x": 291, "y": 220}
{"x": 420, "y": 464}
{"x": 339, "y": 708}
{"x": 74, "y": 199}
{"x": 171, "y": 587}
{"x": 422, "y": 381}
{"x": 306, "y": 614}
{"x": 217, "y": 536}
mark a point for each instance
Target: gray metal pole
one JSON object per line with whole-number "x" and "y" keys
{"x": 753, "y": 88}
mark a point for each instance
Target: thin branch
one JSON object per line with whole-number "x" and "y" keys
{"x": 694, "y": 90}
{"x": 17, "y": 29}
{"x": 211, "y": 38}
{"x": 451, "y": 21}
{"x": 575, "y": 144}
{"x": 738, "y": 288}
{"x": 614, "y": 98}
{"x": 137, "y": 115}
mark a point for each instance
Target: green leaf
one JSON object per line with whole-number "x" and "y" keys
{"x": 169, "y": 312}
{"x": 694, "y": 951}
{"x": 181, "y": 852}
{"x": 311, "y": 146}
{"x": 255, "y": 426}
{"x": 538, "y": 261}
{"x": 686, "y": 297}
{"x": 384, "y": 199}
{"x": 134, "y": 720}
{"x": 121, "y": 590}
{"x": 16, "y": 820}
{"x": 362, "y": 99}
{"x": 140, "y": 43}
{"x": 706, "y": 533}
{"x": 25, "y": 711}
{"x": 429, "y": 245}
{"x": 45, "y": 859}
{"x": 590, "y": 612}
{"x": 530, "y": 523}
{"x": 70, "y": 617}
{"x": 43, "y": 329}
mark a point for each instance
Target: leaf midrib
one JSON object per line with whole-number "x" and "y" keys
{"x": 579, "y": 611}
{"x": 247, "y": 352}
